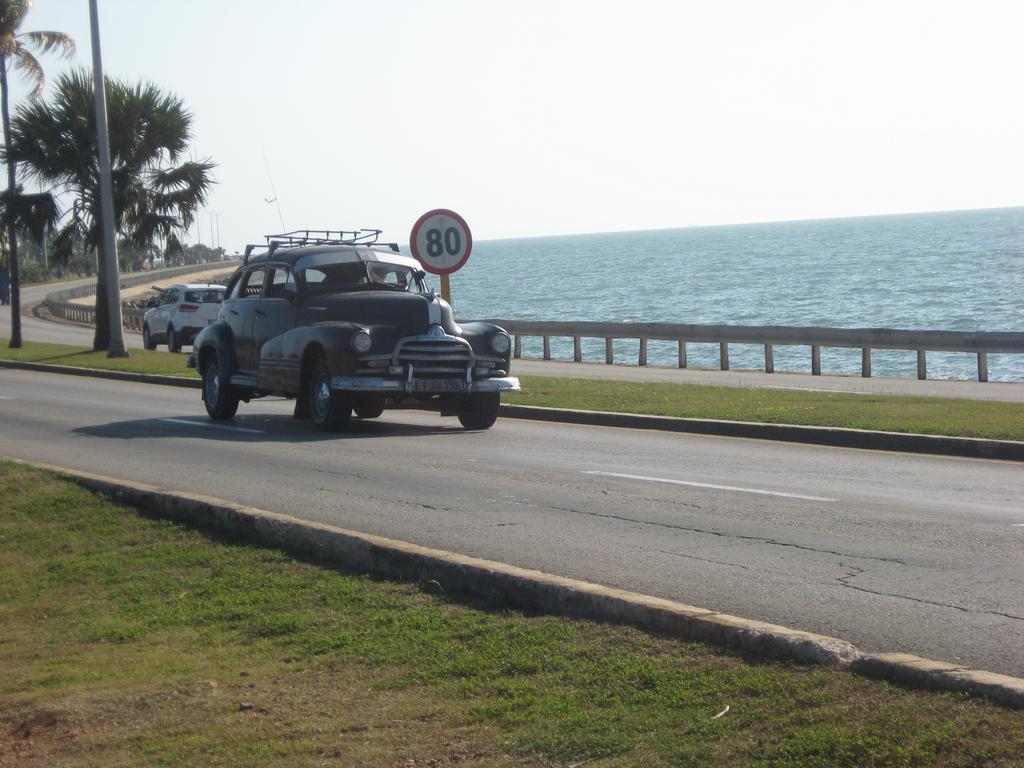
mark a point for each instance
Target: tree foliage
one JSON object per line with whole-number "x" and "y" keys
{"x": 17, "y": 47}
{"x": 157, "y": 189}
{"x": 16, "y": 50}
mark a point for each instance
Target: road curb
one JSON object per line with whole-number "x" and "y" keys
{"x": 537, "y": 591}
{"x": 97, "y": 373}
{"x": 967, "y": 447}
{"x": 917, "y": 672}
{"x": 970, "y": 447}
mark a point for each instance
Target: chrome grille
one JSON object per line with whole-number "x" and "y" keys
{"x": 434, "y": 351}
{"x": 447, "y": 356}
{"x": 434, "y": 354}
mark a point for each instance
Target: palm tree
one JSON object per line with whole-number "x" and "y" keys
{"x": 15, "y": 47}
{"x": 157, "y": 192}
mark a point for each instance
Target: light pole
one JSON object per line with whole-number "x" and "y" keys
{"x": 214, "y": 242}
{"x": 115, "y": 346}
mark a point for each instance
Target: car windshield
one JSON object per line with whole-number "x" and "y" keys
{"x": 205, "y": 296}
{"x": 359, "y": 276}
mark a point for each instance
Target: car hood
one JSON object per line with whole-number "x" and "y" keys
{"x": 409, "y": 313}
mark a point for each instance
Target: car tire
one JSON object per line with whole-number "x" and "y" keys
{"x": 173, "y": 342}
{"x": 479, "y": 410}
{"x": 147, "y": 339}
{"x": 219, "y": 397}
{"x": 369, "y": 407}
{"x": 329, "y": 410}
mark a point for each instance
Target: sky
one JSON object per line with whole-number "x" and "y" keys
{"x": 557, "y": 116}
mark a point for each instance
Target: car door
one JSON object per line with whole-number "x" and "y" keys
{"x": 276, "y": 314}
{"x": 239, "y": 311}
{"x": 166, "y": 302}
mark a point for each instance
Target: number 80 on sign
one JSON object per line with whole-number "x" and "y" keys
{"x": 441, "y": 241}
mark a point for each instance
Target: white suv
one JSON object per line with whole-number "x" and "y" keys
{"x": 179, "y": 313}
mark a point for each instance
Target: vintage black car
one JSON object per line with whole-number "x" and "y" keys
{"x": 344, "y": 324}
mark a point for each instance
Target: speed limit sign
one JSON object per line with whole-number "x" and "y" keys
{"x": 441, "y": 241}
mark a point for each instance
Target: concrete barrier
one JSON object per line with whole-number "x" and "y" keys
{"x": 59, "y": 305}
{"x": 979, "y": 343}
{"x": 538, "y": 591}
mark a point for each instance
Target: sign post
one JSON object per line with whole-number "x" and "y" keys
{"x": 441, "y": 241}
{"x": 446, "y": 289}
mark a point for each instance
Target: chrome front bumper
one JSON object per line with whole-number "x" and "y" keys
{"x": 424, "y": 386}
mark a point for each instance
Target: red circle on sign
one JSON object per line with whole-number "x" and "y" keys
{"x": 414, "y": 246}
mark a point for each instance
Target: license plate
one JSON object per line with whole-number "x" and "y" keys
{"x": 439, "y": 385}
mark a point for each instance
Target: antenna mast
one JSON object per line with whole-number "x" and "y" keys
{"x": 273, "y": 191}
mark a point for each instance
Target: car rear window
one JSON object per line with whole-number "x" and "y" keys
{"x": 209, "y": 296}
{"x": 343, "y": 276}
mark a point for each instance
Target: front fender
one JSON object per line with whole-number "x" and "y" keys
{"x": 217, "y": 336}
{"x": 479, "y": 334}
{"x": 287, "y": 353}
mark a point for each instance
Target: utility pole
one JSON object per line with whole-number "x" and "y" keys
{"x": 116, "y": 347}
{"x": 14, "y": 268}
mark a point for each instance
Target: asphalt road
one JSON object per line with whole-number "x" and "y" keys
{"x": 36, "y": 329}
{"x": 890, "y": 551}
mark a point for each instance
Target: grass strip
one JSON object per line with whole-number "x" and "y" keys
{"x": 128, "y": 640}
{"x": 887, "y": 413}
{"x": 156, "y": 361}
{"x": 922, "y": 415}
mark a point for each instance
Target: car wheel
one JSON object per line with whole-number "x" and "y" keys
{"x": 479, "y": 411}
{"x": 219, "y": 397}
{"x": 329, "y": 409}
{"x": 147, "y": 340}
{"x": 173, "y": 342}
{"x": 369, "y": 407}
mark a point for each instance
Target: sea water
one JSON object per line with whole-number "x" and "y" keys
{"x": 956, "y": 271}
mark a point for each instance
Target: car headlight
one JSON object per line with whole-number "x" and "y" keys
{"x": 361, "y": 342}
{"x": 500, "y": 343}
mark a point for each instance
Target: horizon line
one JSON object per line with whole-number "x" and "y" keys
{"x": 758, "y": 222}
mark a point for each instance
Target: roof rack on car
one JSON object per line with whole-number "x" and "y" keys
{"x": 319, "y": 237}
{"x": 325, "y": 237}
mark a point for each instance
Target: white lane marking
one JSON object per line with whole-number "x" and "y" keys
{"x": 1017, "y": 525}
{"x": 5, "y": 397}
{"x": 707, "y": 485}
{"x": 213, "y": 426}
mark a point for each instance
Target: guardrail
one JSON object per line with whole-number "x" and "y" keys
{"x": 59, "y": 305}
{"x": 980, "y": 343}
